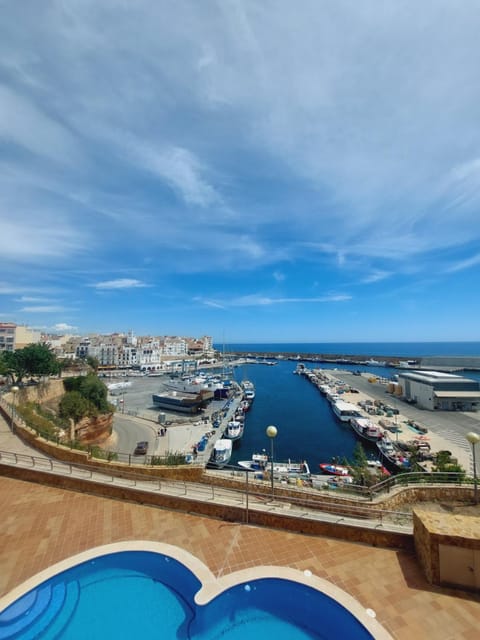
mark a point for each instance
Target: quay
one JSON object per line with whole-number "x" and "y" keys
{"x": 446, "y": 429}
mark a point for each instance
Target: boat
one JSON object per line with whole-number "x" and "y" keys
{"x": 258, "y": 462}
{"x": 189, "y": 385}
{"x": 182, "y": 402}
{"x": 375, "y": 363}
{"x": 366, "y": 429}
{"x": 248, "y": 390}
{"x": 345, "y": 410}
{"x": 287, "y": 469}
{"x": 221, "y": 454}
{"x": 334, "y": 469}
{"x": 392, "y": 455}
{"x": 300, "y": 368}
{"x": 234, "y": 430}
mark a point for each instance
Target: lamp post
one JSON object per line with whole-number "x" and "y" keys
{"x": 473, "y": 439}
{"x": 271, "y": 432}
{"x": 14, "y": 391}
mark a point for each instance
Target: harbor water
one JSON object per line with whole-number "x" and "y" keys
{"x": 307, "y": 427}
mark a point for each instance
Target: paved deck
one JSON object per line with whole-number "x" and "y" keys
{"x": 41, "y": 526}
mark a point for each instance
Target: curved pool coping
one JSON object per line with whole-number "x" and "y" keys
{"x": 211, "y": 585}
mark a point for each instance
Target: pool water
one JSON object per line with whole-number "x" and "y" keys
{"x": 140, "y": 593}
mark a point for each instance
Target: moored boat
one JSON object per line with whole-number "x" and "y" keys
{"x": 221, "y": 454}
{"x": 234, "y": 430}
{"x": 392, "y": 455}
{"x": 281, "y": 470}
{"x": 366, "y": 429}
{"x": 345, "y": 410}
{"x": 334, "y": 469}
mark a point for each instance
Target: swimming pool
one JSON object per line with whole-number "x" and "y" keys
{"x": 145, "y": 593}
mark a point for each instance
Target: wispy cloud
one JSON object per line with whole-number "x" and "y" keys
{"x": 468, "y": 263}
{"x": 121, "y": 283}
{"x": 259, "y": 300}
{"x": 376, "y": 276}
{"x": 44, "y": 309}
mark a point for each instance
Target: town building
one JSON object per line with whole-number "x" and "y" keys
{"x": 15, "y": 336}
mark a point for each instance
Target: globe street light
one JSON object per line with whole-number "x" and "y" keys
{"x": 14, "y": 390}
{"x": 271, "y": 432}
{"x": 473, "y": 438}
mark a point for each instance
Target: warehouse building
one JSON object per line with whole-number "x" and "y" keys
{"x": 438, "y": 390}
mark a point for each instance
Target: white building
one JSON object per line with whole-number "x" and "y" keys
{"x": 437, "y": 390}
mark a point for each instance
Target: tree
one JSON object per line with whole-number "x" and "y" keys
{"x": 93, "y": 362}
{"x": 73, "y": 407}
{"x": 359, "y": 456}
{"x": 32, "y": 360}
{"x": 92, "y": 389}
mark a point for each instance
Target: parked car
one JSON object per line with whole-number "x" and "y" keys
{"x": 141, "y": 448}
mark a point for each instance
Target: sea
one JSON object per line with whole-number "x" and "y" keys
{"x": 307, "y": 429}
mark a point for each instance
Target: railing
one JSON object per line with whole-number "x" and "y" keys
{"x": 247, "y": 498}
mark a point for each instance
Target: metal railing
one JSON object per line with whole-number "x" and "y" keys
{"x": 247, "y": 497}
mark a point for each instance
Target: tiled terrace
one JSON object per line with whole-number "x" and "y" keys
{"x": 41, "y": 526}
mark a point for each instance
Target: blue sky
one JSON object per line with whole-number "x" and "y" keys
{"x": 254, "y": 171}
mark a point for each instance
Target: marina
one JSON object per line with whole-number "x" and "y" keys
{"x": 308, "y": 429}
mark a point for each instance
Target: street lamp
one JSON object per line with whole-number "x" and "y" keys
{"x": 271, "y": 432}
{"x": 473, "y": 439}
{"x": 14, "y": 391}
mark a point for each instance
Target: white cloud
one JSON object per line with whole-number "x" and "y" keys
{"x": 121, "y": 283}
{"x": 44, "y": 309}
{"x": 63, "y": 326}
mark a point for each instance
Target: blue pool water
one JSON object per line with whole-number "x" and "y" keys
{"x": 145, "y": 594}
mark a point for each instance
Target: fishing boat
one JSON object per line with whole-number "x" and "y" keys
{"x": 221, "y": 454}
{"x": 281, "y": 470}
{"x": 334, "y": 469}
{"x": 190, "y": 385}
{"x": 366, "y": 429}
{"x": 345, "y": 410}
{"x": 182, "y": 402}
{"x": 248, "y": 390}
{"x": 234, "y": 430}
{"x": 392, "y": 455}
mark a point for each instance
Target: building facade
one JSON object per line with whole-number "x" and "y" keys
{"x": 436, "y": 390}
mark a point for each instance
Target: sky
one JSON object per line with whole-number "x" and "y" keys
{"x": 268, "y": 171}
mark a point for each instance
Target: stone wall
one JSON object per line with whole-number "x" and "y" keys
{"x": 440, "y": 535}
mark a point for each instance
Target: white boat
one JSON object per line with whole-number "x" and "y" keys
{"x": 288, "y": 469}
{"x": 234, "y": 430}
{"x": 345, "y": 410}
{"x": 366, "y": 429}
{"x": 375, "y": 363}
{"x": 221, "y": 454}
{"x": 248, "y": 390}
{"x": 192, "y": 385}
{"x": 257, "y": 463}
